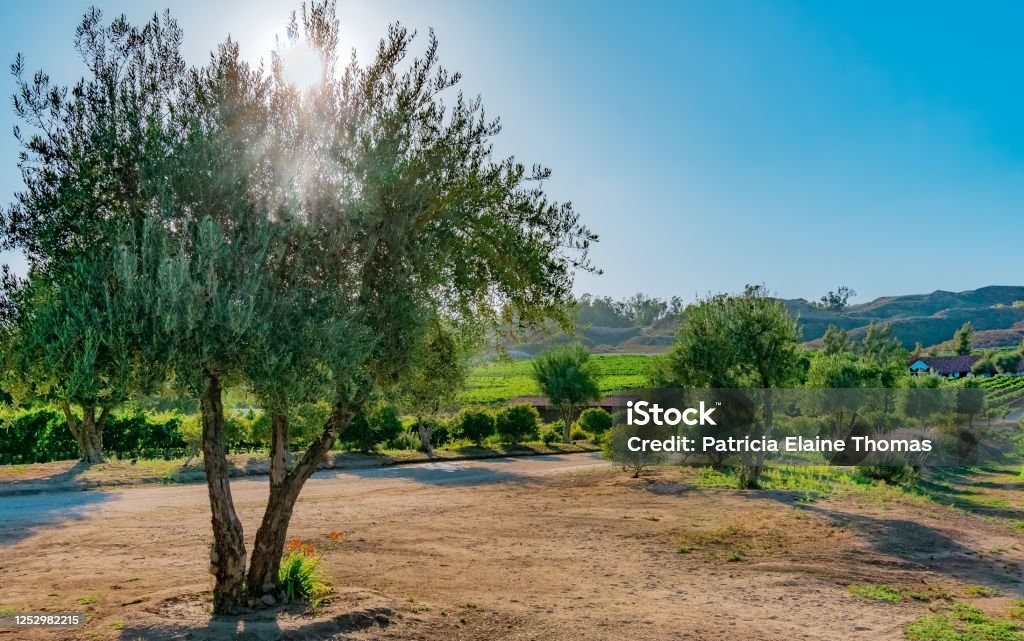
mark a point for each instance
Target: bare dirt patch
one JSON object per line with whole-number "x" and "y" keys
{"x": 541, "y": 548}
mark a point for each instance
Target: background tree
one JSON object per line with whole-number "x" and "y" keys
{"x": 963, "y": 338}
{"x": 835, "y": 341}
{"x": 836, "y": 301}
{"x": 84, "y": 152}
{"x": 743, "y": 341}
{"x": 567, "y": 376}
{"x": 439, "y": 373}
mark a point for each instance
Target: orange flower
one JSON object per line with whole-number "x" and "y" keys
{"x": 336, "y": 536}
{"x": 294, "y": 544}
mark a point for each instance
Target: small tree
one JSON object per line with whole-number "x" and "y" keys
{"x": 835, "y": 340}
{"x": 743, "y": 341}
{"x": 836, "y": 301}
{"x": 568, "y": 378}
{"x": 516, "y": 423}
{"x": 970, "y": 399}
{"x": 438, "y": 374}
{"x": 985, "y": 367}
{"x": 617, "y": 449}
{"x": 1007, "y": 362}
{"x": 596, "y": 421}
{"x": 476, "y": 425}
{"x": 963, "y": 338}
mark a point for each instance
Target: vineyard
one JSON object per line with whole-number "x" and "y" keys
{"x": 498, "y": 381}
{"x": 1003, "y": 391}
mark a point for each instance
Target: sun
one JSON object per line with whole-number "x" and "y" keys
{"x": 303, "y": 65}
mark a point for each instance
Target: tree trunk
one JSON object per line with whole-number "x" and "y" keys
{"x": 750, "y": 473}
{"x": 285, "y": 487}
{"x": 426, "y": 433}
{"x": 227, "y": 557}
{"x": 567, "y": 420}
{"x": 88, "y": 434}
{"x": 267, "y": 550}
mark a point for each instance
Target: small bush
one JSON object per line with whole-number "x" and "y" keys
{"x": 891, "y": 474}
{"x": 578, "y": 434}
{"x": 406, "y": 441}
{"x": 878, "y": 592}
{"x": 595, "y": 421}
{"x": 551, "y": 436}
{"x": 516, "y": 423}
{"x": 476, "y": 425}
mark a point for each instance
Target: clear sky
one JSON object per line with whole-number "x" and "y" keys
{"x": 711, "y": 144}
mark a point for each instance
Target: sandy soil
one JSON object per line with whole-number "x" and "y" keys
{"x": 544, "y": 548}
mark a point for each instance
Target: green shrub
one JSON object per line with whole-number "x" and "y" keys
{"x": 551, "y": 436}
{"x": 595, "y": 421}
{"x": 379, "y": 425}
{"x": 406, "y": 441}
{"x": 516, "y": 423}
{"x": 476, "y": 425}
{"x": 891, "y": 474}
{"x": 578, "y": 434}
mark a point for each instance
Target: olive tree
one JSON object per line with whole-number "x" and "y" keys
{"x": 731, "y": 342}
{"x": 70, "y": 335}
{"x": 568, "y": 378}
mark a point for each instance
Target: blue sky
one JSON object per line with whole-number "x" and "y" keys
{"x": 710, "y": 144}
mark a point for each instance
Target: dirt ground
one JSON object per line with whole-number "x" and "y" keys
{"x": 544, "y": 548}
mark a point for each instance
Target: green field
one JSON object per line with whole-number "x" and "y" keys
{"x": 498, "y": 381}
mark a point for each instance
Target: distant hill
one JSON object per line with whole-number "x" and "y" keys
{"x": 997, "y": 312}
{"x": 929, "y": 318}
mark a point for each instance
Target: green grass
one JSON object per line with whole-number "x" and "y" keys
{"x": 964, "y": 623}
{"x": 498, "y": 381}
{"x": 879, "y": 592}
{"x": 88, "y": 599}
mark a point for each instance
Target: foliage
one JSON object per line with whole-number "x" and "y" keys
{"x": 577, "y": 433}
{"x": 836, "y": 301}
{"x": 551, "y": 434}
{"x": 963, "y": 338}
{"x": 475, "y": 424}
{"x": 301, "y": 576}
{"x": 964, "y": 623}
{"x": 516, "y": 423}
{"x": 596, "y": 421}
{"x": 616, "y": 446}
{"x": 567, "y": 377}
{"x": 42, "y": 435}
{"x": 743, "y": 341}
{"x": 879, "y": 592}
{"x": 891, "y": 474}
{"x": 378, "y": 424}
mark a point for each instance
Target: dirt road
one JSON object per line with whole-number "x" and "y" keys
{"x": 544, "y": 548}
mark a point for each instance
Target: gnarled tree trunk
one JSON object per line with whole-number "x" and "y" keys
{"x": 426, "y": 434}
{"x": 285, "y": 487}
{"x": 227, "y": 557}
{"x": 89, "y": 433}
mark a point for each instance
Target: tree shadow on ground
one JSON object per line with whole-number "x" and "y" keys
{"x": 918, "y": 545}
{"x": 436, "y": 473}
{"x": 23, "y": 514}
{"x": 56, "y": 479}
{"x": 262, "y": 625}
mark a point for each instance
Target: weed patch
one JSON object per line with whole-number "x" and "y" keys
{"x": 964, "y": 623}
